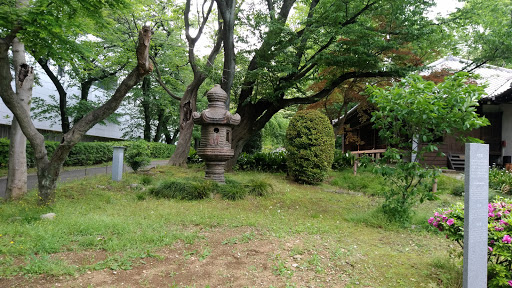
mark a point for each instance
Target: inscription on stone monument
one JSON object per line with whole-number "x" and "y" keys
{"x": 476, "y": 185}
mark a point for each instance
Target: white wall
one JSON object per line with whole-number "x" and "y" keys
{"x": 47, "y": 88}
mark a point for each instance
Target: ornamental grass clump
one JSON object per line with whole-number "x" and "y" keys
{"x": 184, "y": 190}
{"x": 451, "y": 223}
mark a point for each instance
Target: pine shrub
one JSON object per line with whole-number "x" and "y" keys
{"x": 138, "y": 155}
{"x": 310, "y": 147}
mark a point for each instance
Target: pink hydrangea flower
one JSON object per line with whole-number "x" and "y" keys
{"x": 491, "y": 215}
{"x": 490, "y": 248}
{"x": 506, "y": 239}
{"x": 490, "y": 207}
{"x": 430, "y": 220}
{"x": 498, "y": 228}
{"x": 450, "y": 221}
{"x": 510, "y": 282}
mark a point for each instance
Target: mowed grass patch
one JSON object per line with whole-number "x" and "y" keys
{"x": 97, "y": 214}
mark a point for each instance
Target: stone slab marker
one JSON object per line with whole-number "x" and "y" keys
{"x": 117, "y": 163}
{"x": 476, "y": 188}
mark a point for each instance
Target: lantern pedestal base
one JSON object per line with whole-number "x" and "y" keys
{"x": 215, "y": 171}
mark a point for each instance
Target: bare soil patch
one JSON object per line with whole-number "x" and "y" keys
{"x": 223, "y": 257}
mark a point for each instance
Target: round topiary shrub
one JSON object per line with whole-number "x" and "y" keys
{"x": 310, "y": 146}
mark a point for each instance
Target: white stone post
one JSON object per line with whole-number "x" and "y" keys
{"x": 476, "y": 186}
{"x": 117, "y": 163}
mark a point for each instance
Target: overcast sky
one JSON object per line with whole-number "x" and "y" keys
{"x": 446, "y": 6}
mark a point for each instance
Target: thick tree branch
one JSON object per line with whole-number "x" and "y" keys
{"x": 143, "y": 68}
{"x": 158, "y": 79}
{"x": 62, "y": 94}
{"x": 335, "y": 83}
{"x": 86, "y": 85}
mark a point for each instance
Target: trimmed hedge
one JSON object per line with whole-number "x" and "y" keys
{"x": 85, "y": 153}
{"x": 260, "y": 161}
{"x": 310, "y": 146}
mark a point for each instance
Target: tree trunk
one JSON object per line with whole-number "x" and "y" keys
{"x": 85, "y": 87}
{"x": 160, "y": 124}
{"x": 48, "y": 171}
{"x": 64, "y": 119}
{"x": 146, "y": 100}
{"x": 187, "y": 106}
{"x": 227, "y": 11}
{"x": 170, "y": 139}
{"x": 24, "y": 79}
{"x": 256, "y": 115}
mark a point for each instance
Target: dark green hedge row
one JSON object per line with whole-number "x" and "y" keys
{"x": 261, "y": 161}
{"x": 85, "y": 153}
{"x": 276, "y": 161}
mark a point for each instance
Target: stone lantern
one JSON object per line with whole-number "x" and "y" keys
{"x": 216, "y": 122}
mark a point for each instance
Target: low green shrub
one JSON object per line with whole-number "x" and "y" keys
{"x": 137, "y": 155}
{"x": 263, "y": 161}
{"x": 184, "y": 189}
{"x": 193, "y": 157}
{"x": 499, "y": 253}
{"x": 197, "y": 189}
{"x": 343, "y": 160}
{"x": 4, "y": 152}
{"x": 500, "y": 179}
{"x": 233, "y": 192}
{"x": 161, "y": 150}
{"x": 259, "y": 188}
{"x": 146, "y": 180}
{"x": 458, "y": 190}
{"x": 88, "y": 153}
{"x": 85, "y": 153}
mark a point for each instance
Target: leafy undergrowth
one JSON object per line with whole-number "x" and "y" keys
{"x": 344, "y": 241}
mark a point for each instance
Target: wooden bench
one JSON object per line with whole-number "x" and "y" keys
{"x": 374, "y": 153}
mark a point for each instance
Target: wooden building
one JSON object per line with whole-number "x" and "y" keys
{"x": 496, "y": 106}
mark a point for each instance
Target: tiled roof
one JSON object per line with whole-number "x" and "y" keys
{"x": 498, "y": 79}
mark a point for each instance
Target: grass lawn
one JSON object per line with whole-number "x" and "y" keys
{"x": 112, "y": 234}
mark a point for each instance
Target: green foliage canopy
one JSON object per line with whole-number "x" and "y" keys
{"x": 417, "y": 109}
{"x": 482, "y": 28}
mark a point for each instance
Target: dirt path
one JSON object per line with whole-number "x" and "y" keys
{"x": 239, "y": 257}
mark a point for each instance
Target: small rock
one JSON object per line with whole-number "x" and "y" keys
{"x": 100, "y": 187}
{"x": 295, "y": 265}
{"x": 49, "y": 216}
{"x": 298, "y": 257}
